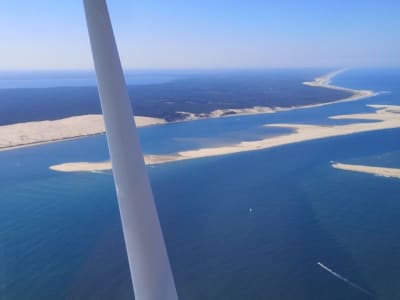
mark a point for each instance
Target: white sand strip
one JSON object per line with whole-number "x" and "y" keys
{"x": 106, "y": 165}
{"x": 387, "y": 117}
{"x": 377, "y": 171}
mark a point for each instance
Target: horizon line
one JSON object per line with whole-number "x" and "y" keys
{"x": 91, "y": 70}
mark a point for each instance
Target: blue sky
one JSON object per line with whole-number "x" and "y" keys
{"x": 158, "y": 34}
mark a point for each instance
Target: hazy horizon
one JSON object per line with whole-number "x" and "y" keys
{"x": 199, "y": 70}
{"x": 181, "y": 35}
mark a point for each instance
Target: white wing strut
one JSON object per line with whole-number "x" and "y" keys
{"x": 148, "y": 260}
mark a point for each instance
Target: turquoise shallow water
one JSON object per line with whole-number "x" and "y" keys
{"x": 246, "y": 226}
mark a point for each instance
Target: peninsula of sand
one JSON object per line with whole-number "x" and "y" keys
{"x": 384, "y": 117}
{"x": 39, "y": 132}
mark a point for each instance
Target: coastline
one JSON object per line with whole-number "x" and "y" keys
{"x": 41, "y": 132}
{"x": 321, "y": 81}
{"x": 385, "y": 117}
{"x": 373, "y": 170}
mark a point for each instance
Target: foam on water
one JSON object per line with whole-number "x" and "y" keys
{"x": 352, "y": 284}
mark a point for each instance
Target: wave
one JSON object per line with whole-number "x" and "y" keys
{"x": 352, "y": 284}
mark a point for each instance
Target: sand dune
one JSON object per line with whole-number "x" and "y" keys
{"x": 32, "y": 133}
{"x": 378, "y": 171}
{"x": 386, "y": 117}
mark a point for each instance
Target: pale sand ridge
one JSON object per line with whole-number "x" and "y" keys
{"x": 378, "y": 171}
{"x": 387, "y": 117}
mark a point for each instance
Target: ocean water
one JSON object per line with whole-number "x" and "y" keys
{"x": 246, "y": 226}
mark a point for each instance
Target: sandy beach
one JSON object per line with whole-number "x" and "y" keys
{"x": 377, "y": 171}
{"x": 386, "y": 117}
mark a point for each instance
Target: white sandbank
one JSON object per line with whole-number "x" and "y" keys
{"x": 377, "y": 171}
{"x": 39, "y": 132}
{"x": 386, "y": 117}
{"x": 106, "y": 165}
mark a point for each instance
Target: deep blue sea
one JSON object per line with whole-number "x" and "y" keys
{"x": 252, "y": 225}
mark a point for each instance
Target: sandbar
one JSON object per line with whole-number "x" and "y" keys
{"x": 377, "y": 171}
{"x": 106, "y": 165}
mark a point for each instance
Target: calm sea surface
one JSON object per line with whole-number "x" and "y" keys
{"x": 246, "y": 226}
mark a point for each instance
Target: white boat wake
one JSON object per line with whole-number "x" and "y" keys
{"x": 352, "y": 284}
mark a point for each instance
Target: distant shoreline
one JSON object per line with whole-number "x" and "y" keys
{"x": 35, "y": 133}
{"x": 321, "y": 81}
